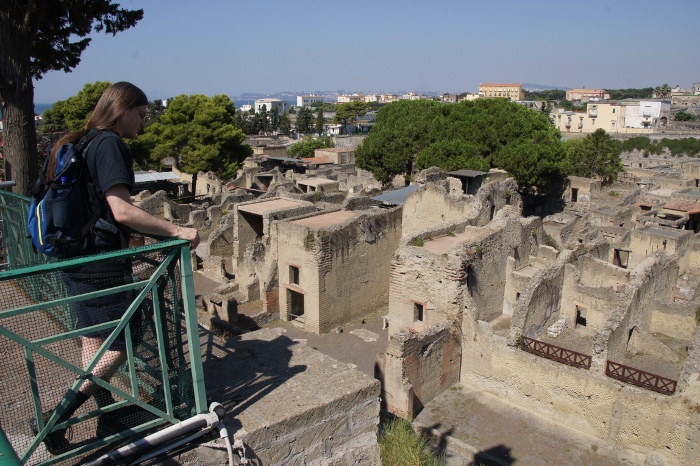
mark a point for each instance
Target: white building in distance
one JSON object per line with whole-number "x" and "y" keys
{"x": 308, "y": 100}
{"x": 279, "y": 105}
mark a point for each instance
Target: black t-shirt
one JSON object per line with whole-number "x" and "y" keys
{"x": 110, "y": 163}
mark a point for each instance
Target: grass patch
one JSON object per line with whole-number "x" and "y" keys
{"x": 400, "y": 445}
{"x": 551, "y": 242}
{"x": 417, "y": 242}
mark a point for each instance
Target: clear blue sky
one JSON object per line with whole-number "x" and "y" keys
{"x": 232, "y": 47}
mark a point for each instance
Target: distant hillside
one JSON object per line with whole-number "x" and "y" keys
{"x": 542, "y": 87}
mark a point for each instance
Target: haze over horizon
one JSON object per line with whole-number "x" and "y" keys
{"x": 450, "y": 46}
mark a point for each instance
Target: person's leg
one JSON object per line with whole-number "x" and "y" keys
{"x": 106, "y": 366}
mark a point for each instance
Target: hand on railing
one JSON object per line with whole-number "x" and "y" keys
{"x": 189, "y": 234}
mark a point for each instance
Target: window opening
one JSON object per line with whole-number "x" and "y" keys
{"x": 294, "y": 274}
{"x": 295, "y": 305}
{"x": 580, "y": 317}
{"x": 418, "y": 312}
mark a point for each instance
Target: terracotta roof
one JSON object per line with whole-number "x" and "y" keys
{"x": 684, "y": 205}
{"x": 316, "y": 160}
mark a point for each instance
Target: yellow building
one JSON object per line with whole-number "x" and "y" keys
{"x": 509, "y": 91}
{"x": 586, "y": 95}
{"x": 615, "y": 117}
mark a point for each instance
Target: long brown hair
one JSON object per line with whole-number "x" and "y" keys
{"x": 113, "y": 103}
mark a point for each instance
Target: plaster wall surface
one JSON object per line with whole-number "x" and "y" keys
{"x": 419, "y": 366}
{"x": 645, "y": 242}
{"x": 345, "y": 266}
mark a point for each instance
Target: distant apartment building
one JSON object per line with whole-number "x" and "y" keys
{"x": 685, "y": 100}
{"x": 308, "y": 100}
{"x": 388, "y": 98}
{"x": 615, "y": 117}
{"x": 449, "y": 98}
{"x": 412, "y": 96}
{"x": 344, "y": 99}
{"x": 586, "y": 95}
{"x": 470, "y": 96}
{"x": 279, "y": 105}
{"x": 509, "y": 91}
{"x": 246, "y": 108}
{"x": 371, "y": 98}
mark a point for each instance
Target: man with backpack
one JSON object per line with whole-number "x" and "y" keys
{"x": 119, "y": 114}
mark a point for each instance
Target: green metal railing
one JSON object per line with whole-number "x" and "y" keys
{"x": 161, "y": 380}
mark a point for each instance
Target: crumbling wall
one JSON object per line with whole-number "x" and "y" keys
{"x": 676, "y": 320}
{"x": 539, "y": 304}
{"x": 595, "y": 272}
{"x": 419, "y": 366}
{"x": 434, "y": 282}
{"x": 594, "y": 302}
{"x": 431, "y": 205}
{"x": 586, "y": 400}
{"x": 644, "y": 243}
{"x": 652, "y": 279}
{"x": 690, "y": 261}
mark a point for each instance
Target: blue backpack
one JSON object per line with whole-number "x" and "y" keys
{"x": 62, "y": 212}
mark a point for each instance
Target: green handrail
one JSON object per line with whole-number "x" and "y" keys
{"x": 8, "y": 457}
{"x": 162, "y": 377}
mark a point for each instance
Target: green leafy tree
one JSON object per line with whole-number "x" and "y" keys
{"x": 156, "y": 109}
{"x": 477, "y": 134}
{"x": 285, "y": 124}
{"x": 452, "y": 155}
{"x": 303, "y": 123}
{"x": 348, "y": 112}
{"x": 72, "y": 114}
{"x": 319, "y": 121}
{"x": 37, "y": 36}
{"x": 685, "y": 116}
{"x": 596, "y": 155}
{"x": 199, "y": 132}
{"x": 662, "y": 91}
{"x": 306, "y": 147}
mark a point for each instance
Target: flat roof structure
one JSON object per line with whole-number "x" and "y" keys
{"x": 329, "y": 219}
{"x": 148, "y": 177}
{"x": 260, "y": 208}
{"x": 395, "y": 197}
{"x": 316, "y": 160}
{"x": 667, "y": 233}
{"x": 315, "y": 181}
{"x": 467, "y": 173}
{"x": 443, "y": 244}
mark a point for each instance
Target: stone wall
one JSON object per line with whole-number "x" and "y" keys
{"x": 644, "y": 243}
{"x": 293, "y": 405}
{"x": 588, "y": 401}
{"x": 344, "y": 268}
{"x": 419, "y": 366}
{"x": 431, "y": 206}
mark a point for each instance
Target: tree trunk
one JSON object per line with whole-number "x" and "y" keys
{"x": 17, "y": 99}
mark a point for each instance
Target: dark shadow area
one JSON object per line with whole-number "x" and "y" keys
{"x": 239, "y": 372}
{"x": 437, "y": 443}
{"x": 494, "y": 456}
{"x": 542, "y": 205}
